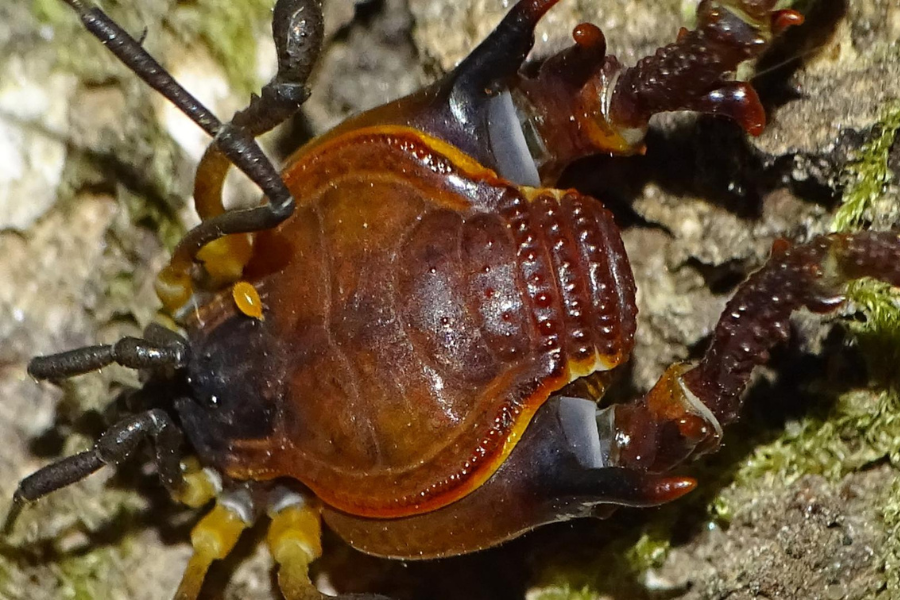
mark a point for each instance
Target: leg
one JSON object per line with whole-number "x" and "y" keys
{"x": 300, "y": 30}
{"x": 297, "y": 29}
{"x": 294, "y": 540}
{"x": 135, "y": 353}
{"x": 213, "y": 539}
{"x": 689, "y": 74}
{"x": 117, "y": 444}
{"x": 682, "y": 415}
{"x": 583, "y": 102}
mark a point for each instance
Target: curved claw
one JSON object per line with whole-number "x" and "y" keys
{"x": 621, "y": 486}
{"x": 784, "y": 19}
{"x": 692, "y": 73}
{"x": 737, "y": 101}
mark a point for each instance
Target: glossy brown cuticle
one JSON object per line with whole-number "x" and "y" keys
{"x": 411, "y": 335}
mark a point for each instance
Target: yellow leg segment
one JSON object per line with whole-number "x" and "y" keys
{"x": 213, "y": 538}
{"x": 223, "y": 259}
{"x": 200, "y": 485}
{"x": 295, "y": 541}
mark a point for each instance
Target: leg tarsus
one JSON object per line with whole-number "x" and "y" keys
{"x": 49, "y": 479}
{"x": 298, "y": 30}
{"x": 113, "y": 447}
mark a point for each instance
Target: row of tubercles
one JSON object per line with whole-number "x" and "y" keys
{"x": 578, "y": 342}
{"x": 577, "y": 276}
{"x": 543, "y": 255}
{"x": 603, "y": 268}
{"x": 679, "y": 75}
{"x": 535, "y": 272}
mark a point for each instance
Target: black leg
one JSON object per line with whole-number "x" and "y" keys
{"x": 136, "y": 353}
{"x": 299, "y": 27}
{"x": 113, "y": 447}
{"x": 298, "y": 30}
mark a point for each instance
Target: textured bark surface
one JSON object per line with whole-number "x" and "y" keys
{"x": 94, "y": 173}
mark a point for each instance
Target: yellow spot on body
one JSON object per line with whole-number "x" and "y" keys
{"x": 247, "y": 299}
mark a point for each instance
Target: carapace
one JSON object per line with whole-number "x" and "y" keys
{"x": 412, "y": 332}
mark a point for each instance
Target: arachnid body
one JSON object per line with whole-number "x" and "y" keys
{"x": 415, "y": 317}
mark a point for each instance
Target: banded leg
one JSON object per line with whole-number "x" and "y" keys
{"x": 682, "y": 415}
{"x": 294, "y": 540}
{"x": 113, "y": 447}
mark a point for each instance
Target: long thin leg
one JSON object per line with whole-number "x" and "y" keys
{"x": 683, "y": 414}
{"x": 297, "y": 29}
{"x": 235, "y": 143}
{"x": 233, "y": 139}
{"x": 113, "y": 447}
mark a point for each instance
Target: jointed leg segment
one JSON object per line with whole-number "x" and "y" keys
{"x": 213, "y": 539}
{"x": 682, "y": 415}
{"x": 295, "y": 542}
{"x": 583, "y": 102}
{"x": 298, "y": 30}
{"x": 298, "y": 33}
{"x": 689, "y": 74}
{"x": 113, "y": 447}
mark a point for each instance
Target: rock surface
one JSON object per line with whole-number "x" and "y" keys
{"x": 94, "y": 175}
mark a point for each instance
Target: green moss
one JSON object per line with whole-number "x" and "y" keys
{"x": 230, "y": 30}
{"x": 862, "y": 428}
{"x": 85, "y": 577}
{"x": 564, "y": 591}
{"x": 866, "y": 179}
{"x": 50, "y": 11}
{"x": 651, "y": 549}
{"x": 891, "y": 514}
